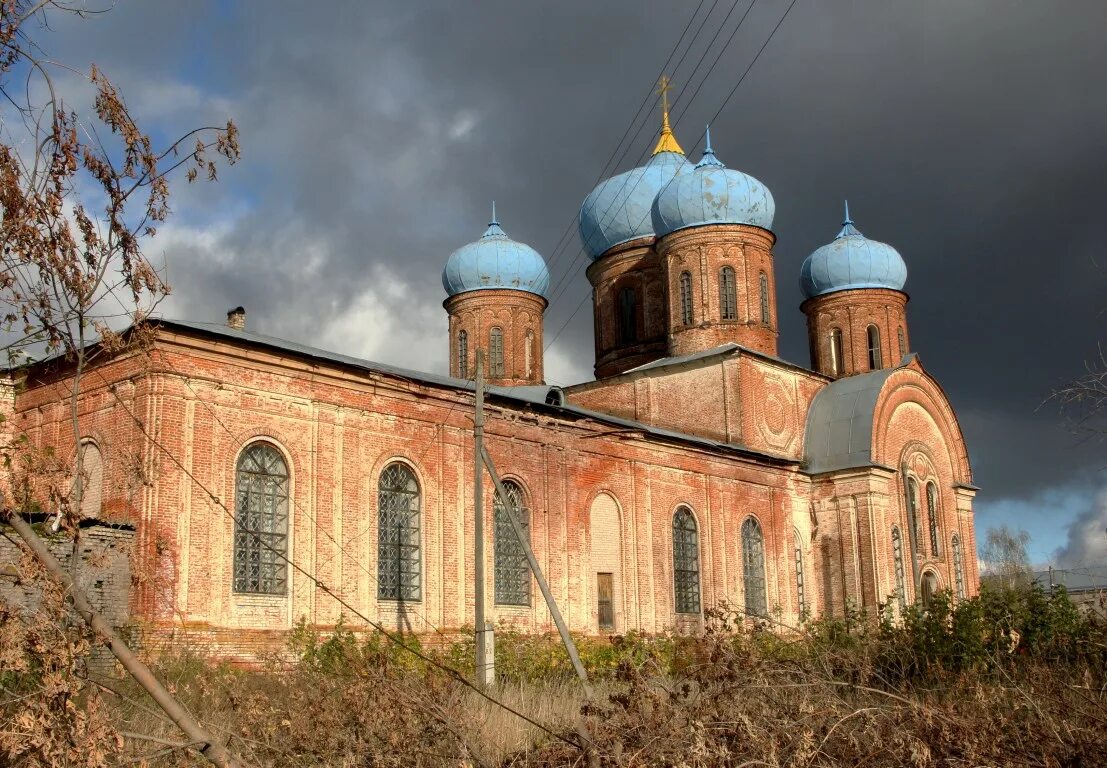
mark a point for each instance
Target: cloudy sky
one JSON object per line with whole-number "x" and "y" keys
{"x": 972, "y": 136}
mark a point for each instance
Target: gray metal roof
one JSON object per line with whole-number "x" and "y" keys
{"x": 840, "y": 422}
{"x": 678, "y": 359}
{"x": 528, "y": 395}
{"x": 1092, "y": 578}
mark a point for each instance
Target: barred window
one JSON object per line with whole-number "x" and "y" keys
{"x": 512, "y": 570}
{"x": 753, "y": 568}
{"x": 463, "y": 354}
{"x": 913, "y": 513}
{"x": 685, "y": 298}
{"x": 958, "y": 566}
{"x": 399, "y": 550}
{"x": 932, "y": 517}
{"x": 628, "y": 316}
{"x": 875, "y": 356}
{"x": 836, "y": 351}
{"x": 261, "y": 521}
{"x": 902, "y": 337}
{"x": 801, "y": 586}
{"x": 728, "y": 294}
{"x": 764, "y": 281}
{"x": 496, "y": 353}
{"x": 897, "y": 559}
{"x": 686, "y": 561}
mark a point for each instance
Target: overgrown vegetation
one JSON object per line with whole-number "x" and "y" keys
{"x": 1012, "y": 677}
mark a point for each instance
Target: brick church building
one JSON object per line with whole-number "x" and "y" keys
{"x": 698, "y": 469}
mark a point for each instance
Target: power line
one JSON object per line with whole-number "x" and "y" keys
{"x": 216, "y": 501}
{"x": 714, "y": 117}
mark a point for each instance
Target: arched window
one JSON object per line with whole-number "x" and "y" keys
{"x": 932, "y": 517}
{"x": 836, "y": 351}
{"x": 728, "y": 294}
{"x": 801, "y": 586}
{"x": 496, "y": 353}
{"x": 753, "y": 568}
{"x": 875, "y": 358}
{"x": 528, "y": 353}
{"x": 958, "y": 566}
{"x": 463, "y": 354}
{"x": 261, "y": 521}
{"x": 929, "y": 587}
{"x": 897, "y": 559}
{"x": 913, "y": 514}
{"x": 685, "y": 298}
{"x": 686, "y": 561}
{"x": 399, "y": 550}
{"x": 90, "y": 482}
{"x": 764, "y": 280}
{"x": 902, "y": 338}
{"x": 628, "y": 316}
{"x": 512, "y": 569}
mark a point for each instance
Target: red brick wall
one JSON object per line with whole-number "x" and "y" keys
{"x": 852, "y": 312}
{"x": 518, "y": 314}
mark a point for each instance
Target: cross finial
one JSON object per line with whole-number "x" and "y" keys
{"x": 667, "y": 142}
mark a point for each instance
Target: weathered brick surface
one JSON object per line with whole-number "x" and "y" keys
{"x": 184, "y": 415}
{"x": 852, "y": 312}
{"x": 518, "y": 315}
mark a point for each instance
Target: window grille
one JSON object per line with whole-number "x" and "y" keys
{"x": 496, "y": 353}
{"x": 685, "y": 298}
{"x": 512, "y": 572}
{"x": 753, "y": 568}
{"x": 764, "y": 298}
{"x": 686, "y": 562}
{"x": 958, "y": 567}
{"x": 728, "y": 294}
{"x": 902, "y": 338}
{"x": 261, "y": 521}
{"x": 875, "y": 357}
{"x": 399, "y": 550}
{"x": 836, "y": 351}
{"x": 932, "y": 517}
{"x": 897, "y": 558}
{"x": 913, "y": 513}
{"x": 463, "y": 354}
{"x": 801, "y": 586}
{"x": 628, "y": 316}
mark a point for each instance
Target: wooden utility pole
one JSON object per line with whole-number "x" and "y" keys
{"x": 199, "y": 736}
{"x": 485, "y": 640}
{"x": 524, "y": 541}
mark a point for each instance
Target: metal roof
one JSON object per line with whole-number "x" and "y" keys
{"x": 1092, "y": 578}
{"x": 534, "y": 396}
{"x": 840, "y": 422}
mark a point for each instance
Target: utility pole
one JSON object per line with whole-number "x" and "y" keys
{"x": 485, "y": 639}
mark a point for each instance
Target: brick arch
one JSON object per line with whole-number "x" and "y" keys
{"x": 278, "y": 438}
{"x": 912, "y": 385}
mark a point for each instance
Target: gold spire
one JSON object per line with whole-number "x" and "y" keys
{"x": 667, "y": 141}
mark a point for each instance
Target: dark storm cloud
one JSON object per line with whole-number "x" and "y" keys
{"x": 972, "y": 136}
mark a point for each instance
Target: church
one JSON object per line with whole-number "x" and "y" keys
{"x": 699, "y": 470}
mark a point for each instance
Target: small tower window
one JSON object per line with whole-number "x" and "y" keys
{"x": 765, "y": 299}
{"x": 932, "y": 517}
{"x": 897, "y": 559}
{"x": 874, "y": 348}
{"x": 496, "y": 353}
{"x": 685, "y": 298}
{"x": 728, "y": 294}
{"x": 628, "y": 316}
{"x": 902, "y": 338}
{"x": 463, "y": 354}
{"x": 836, "y": 351}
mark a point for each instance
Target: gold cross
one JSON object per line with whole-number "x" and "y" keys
{"x": 663, "y": 87}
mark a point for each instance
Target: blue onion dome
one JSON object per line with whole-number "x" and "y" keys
{"x": 495, "y": 261}
{"x": 851, "y": 261}
{"x": 712, "y": 194}
{"x": 619, "y": 210}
